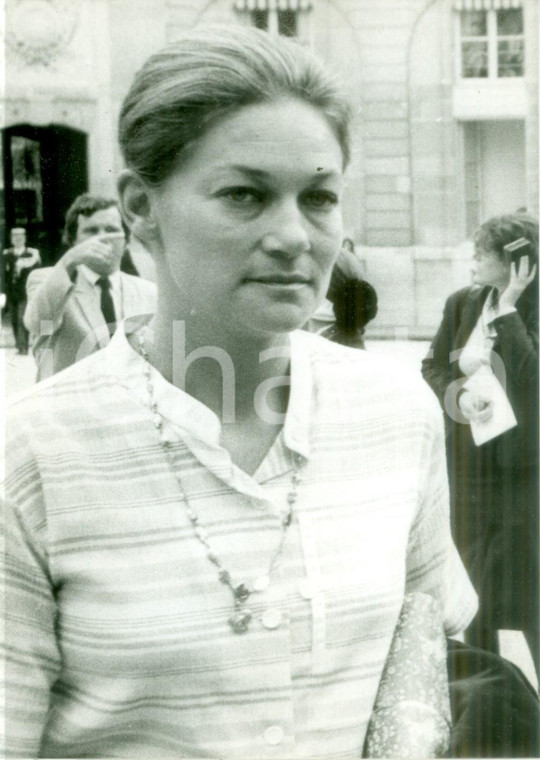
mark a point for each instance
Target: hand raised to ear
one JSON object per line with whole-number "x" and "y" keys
{"x": 520, "y": 278}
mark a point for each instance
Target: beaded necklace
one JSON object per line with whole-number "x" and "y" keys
{"x": 241, "y": 592}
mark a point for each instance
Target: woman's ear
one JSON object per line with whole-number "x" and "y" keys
{"x": 136, "y": 207}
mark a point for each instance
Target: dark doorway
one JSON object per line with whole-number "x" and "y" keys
{"x": 45, "y": 168}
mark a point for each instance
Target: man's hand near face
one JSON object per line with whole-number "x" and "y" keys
{"x": 101, "y": 253}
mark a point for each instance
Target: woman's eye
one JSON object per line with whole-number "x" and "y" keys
{"x": 321, "y": 199}
{"x": 243, "y": 195}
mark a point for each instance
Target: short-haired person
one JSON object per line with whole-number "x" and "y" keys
{"x": 73, "y": 307}
{"x": 494, "y": 485}
{"x": 19, "y": 261}
{"x": 210, "y": 545}
{"x": 353, "y": 299}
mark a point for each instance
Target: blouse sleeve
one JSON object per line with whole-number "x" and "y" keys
{"x": 32, "y": 658}
{"x": 433, "y": 563}
{"x": 438, "y": 367}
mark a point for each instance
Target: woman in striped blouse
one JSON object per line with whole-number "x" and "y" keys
{"x": 209, "y": 546}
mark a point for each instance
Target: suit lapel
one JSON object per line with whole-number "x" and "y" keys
{"x": 135, "y": 296}
{"x": 126, "y": 296}
{"x": 472, "y": 308}
{"x": 130, "y": 296}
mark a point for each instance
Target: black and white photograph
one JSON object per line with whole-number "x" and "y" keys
{"x": 269, "y": 340}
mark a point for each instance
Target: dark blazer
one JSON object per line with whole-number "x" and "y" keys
{"x": 517, "y": 346}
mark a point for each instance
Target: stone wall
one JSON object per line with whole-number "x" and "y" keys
{"x": 404, "y": 203}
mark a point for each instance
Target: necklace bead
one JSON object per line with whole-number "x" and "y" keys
{"x": 241, "y": 593}
{"x": 242, "y": 616}
{"x": 240, "y": 621}
{"x": 224, "y": 577}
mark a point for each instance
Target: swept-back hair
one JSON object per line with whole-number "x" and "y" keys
{"x": 208, "y": 73}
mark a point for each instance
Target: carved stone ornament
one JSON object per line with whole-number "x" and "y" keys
{"x": 39, "y": 30}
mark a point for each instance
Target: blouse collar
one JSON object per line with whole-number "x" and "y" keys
{"x": 194, "y": 418}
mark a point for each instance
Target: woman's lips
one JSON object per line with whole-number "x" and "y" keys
{"x": 279, "y": 280}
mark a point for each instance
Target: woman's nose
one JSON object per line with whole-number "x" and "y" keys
{"x": 287, "y": 235}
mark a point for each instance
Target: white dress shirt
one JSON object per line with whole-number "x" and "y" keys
{"x": 477, "y": 350}
{"x": 115, "y": 290}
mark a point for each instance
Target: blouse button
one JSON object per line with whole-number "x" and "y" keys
{"x": 307, "y": 589}
{"x": 262, "y": 583}
{"x": 274, "y": 735}
{"x": 271, "y": 619}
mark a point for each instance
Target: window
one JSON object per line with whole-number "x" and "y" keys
{"x": 259, "y": 19}
{"x": 275, "y": 16}
{"x": 287, "y": 23}
{"x": 494, "y": 169}
{"x": 27, "y": 185}
{"x": 510, "y": 43}
{"x": 491, "y": 41}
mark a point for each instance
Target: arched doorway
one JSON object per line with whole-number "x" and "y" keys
{"x": 45, "y": 168}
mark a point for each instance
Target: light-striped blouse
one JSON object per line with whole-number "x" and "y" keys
{"x": 117, "y": 637}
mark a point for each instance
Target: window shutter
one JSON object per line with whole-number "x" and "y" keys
{"x": 272, "y": 5}
{"x": 486, "y": 5}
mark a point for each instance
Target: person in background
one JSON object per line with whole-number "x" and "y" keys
{"x": 19, "y": 261}
{"x": 494, "y": 486}
{"x": 221, "y": 514}
{"x": 354, "y": 301}
{"x": 325, "y": 317}
{"x": 73, "y": 307}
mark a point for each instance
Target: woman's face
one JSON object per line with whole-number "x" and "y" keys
{"x": 489, "y": 269}
{"x": 249, "y": 226}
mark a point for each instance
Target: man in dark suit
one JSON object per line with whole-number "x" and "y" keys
{"x": 19, "y": 261}
{"x": 74, "y": 306}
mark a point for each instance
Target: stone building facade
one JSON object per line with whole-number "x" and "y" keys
{"x": 446, "y": 119}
